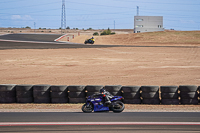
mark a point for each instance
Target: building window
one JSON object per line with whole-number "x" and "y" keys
{"x": 159, "y": 26}
{"x": 139, "y": 25}
{"x": 139, "y": 19}
{"x": 138, "y": 31}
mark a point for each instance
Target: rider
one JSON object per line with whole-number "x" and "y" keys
{"x": 106, "y": 94}
{"x": 91, "y": 39}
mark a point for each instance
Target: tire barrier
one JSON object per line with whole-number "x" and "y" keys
{"x": 189, "y": 94}
{"x": 115, "y": 90}
{"x": 150, "y": 94}
{"x": 59, "y": 94}
{"x": 169, "y": 95}
{"x": 131, "y": 94}
{"x": 8, "y": 93}
{"x": 76, "y": 94}
{"x": 24, "y": 93}
{"x": 199, "y": 93}
{"x": 93, "y": 89}
{"x": 41, "y": 94}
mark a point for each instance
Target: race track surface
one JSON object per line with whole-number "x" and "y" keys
{"x": 136, "y": 117}
{"x": 46, "y": 41}
{"x": 31, "y": 37}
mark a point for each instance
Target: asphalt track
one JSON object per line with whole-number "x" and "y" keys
{"x": 46, "y": 41}
{"x": 31, "y": 37}
{"x": 100, "y": 122}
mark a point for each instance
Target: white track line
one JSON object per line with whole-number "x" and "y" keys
{"x": 60, "y": 42}
{"x": 60, "y": 37}
{"x": 95, "y": 123}
{"x": 28, "y": 41}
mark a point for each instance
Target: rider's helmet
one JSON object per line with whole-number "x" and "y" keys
{"x": 102, "y": 91}
{"x": 92, "y": 37}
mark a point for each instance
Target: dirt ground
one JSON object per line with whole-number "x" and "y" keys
{"x": 77, "y": 108}
{"x": 109, "y": 66}
{"x": 101, "y": 66}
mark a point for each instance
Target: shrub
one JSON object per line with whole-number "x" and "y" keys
{"x": 107, "y": 32}
{"x": 96, "y": 34}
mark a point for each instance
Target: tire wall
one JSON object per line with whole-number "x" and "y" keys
{"x": 76, "y": 94}
{"x": 24, "y": 93}
{"x": 131, "y": 94}
{"x": 189, "y": 94}
{"x": 41, "y": 94}
{"x": 150, "y": 94}
{"x": 59, "y": 94}
{"x": 169, "y": 95}
{"x": 8, "y": 93}
{"x": 166, "y": 95}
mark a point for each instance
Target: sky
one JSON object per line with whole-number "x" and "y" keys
{"x": 181, "y": 15}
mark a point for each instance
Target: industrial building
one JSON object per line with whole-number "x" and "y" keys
{"x": 148, "y": 24}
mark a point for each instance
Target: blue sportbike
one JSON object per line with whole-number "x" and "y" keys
{"x": 97, "y": 103}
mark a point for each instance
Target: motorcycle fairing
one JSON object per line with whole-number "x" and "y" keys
{"x": 100, "y": 107}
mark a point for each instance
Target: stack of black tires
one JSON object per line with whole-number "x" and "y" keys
{"x": 93, "y": 89}
{"x": 7, "y": 93}
{"x": 131, "y": 94}
{"x": 199, "y": 93}
{"x": 188, "y": 94}
{"x": 169, "y": 95}
{"x": 24, "y": 93}
{"x": 59, "y": 94}
{"x": 76, "y": 94}
{"x": 41, "y": 94}
{"x": 115, "y": 90}
{"x": 150, "y": 94}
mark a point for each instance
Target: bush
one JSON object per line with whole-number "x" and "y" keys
{"x": 27, "y": 27}
{"x": 107, "y": 32}
{"x": 96, "y": 34}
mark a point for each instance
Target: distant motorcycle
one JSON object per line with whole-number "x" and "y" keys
{"x": 97, "y": 103}
{"x": 91, "y": 41}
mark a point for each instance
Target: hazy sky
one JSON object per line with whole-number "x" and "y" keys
{"x": 99, "y": 14}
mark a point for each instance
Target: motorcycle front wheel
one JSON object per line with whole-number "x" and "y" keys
{"x": 87, "y": 108}
{"x": 118, "y": 107}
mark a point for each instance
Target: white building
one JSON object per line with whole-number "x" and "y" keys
{"x": 148, "y": 24}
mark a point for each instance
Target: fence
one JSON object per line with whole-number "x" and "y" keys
{"x": 166, "y": 95}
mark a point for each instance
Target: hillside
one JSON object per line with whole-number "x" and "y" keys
{"x": 149, "y": 38}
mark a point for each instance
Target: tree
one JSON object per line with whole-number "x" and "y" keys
{"x": 90, "y": 29}
{"x": 27, "y": 27}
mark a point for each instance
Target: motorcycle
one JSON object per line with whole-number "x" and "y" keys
{"x": 91, "y": 41}
{"x": 97, "y": 103}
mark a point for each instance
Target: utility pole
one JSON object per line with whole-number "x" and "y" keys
{"x": 137, "y": 10}
{"x": 63, "y": 17}
{"x": 34, "y": 26}
{"x": 114, "y": 25}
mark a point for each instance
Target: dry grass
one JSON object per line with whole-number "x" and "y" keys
{"x": 165, "y": 37}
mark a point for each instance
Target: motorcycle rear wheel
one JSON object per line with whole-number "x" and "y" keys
{"x": 86, "y": 109}
{"x": 118, "y": 107}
